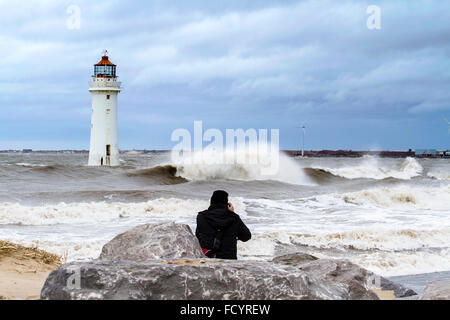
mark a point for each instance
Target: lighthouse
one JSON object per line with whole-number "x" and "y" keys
{"x": 104, "y": 87}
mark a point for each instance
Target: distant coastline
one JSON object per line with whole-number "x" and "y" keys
{"x": 292, "y": 153}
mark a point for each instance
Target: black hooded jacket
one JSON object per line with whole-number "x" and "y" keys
{"x": 218, "y": 216}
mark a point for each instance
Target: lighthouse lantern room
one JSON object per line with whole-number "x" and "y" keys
{"x": 104, "y": 87}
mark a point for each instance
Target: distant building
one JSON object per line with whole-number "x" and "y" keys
{"x": 27, "y": 150}
{"x": 425, "y": 153}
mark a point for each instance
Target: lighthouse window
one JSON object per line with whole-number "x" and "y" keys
{"x": 105, "y": 70}
{"x": 107, "y": 97}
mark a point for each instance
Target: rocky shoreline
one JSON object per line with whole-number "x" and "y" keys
{"x": 164, "y": 262}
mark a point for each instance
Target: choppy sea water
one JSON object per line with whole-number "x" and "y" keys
{"x": 391, "y": 216}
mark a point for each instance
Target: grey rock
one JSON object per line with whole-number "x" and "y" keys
{"x": 294, "y": 258}
{"x": 343, "y": 271}
{"x": 349, "y": 275}
{"x": 418, "y": 282}
{"x": 195, "y": 279}
{"x": 165, "y": 261}
{"x": 400, "y": 291}
{"x": 436, "y": 290}
{"x": 153, "y": 241}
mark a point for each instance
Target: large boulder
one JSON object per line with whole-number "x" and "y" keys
{"x": 165, "y": 261}
{"x": 153, "y": 241}
{"x": 350, "y": 276}
{"x": 195, "y": 279}
{"x": 354, "y": 278}
{"x": 436, "y": 290}
{"x": 399, "y": 290}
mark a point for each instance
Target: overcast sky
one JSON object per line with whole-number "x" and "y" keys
{"x": 232, "y": 64}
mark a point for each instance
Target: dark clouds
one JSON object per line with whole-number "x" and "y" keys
{"x": 260, "y": 64}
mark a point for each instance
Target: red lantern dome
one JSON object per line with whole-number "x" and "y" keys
{"x": 105, "y": 68}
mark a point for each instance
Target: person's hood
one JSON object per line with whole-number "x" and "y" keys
{"x": 218, "y": 216}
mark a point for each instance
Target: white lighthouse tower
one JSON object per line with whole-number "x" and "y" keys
{"x": 104, "y": 150}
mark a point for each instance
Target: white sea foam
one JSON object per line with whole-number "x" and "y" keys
{"x": 387, "y": 252}
{"x": 403, "y": 263}
{"x": 439, "y": 175}
{"x": 370, "y": 169}
{"x": 398, "y": 207}
{"x": 29, "y": 165}
{"x": 14, "y": 213}
{"x": 264, "y": 244}
{"x": 362, "y": 239}
{"x": 434, "y": 198}
{"x": 393, "y": 231}
{"x": 68, "y": 250}
{"x": 79, "y": 230}
{"x": 381, "y": 239}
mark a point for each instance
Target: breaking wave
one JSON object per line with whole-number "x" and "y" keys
{"x": 439, "y": 175}
{"x": 363, "y": 239}
{"x": 436, "y": 198}
{"x": 384, "y": 251}
{"x": 371, "y": 170}
{"x": 30, "y": 165}
{"x": 322, "y": 176}
{"x": 162, "y": 174}
{"x": 45, "y": 167}
{"x": 241, "y": 164}
{"x": 382, "y": 239}
{"x": 92, "y": 212}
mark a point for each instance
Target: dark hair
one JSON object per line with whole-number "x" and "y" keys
{"x": 219, "y": 196}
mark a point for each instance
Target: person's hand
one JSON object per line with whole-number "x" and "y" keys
{"x": 230, "y": 206}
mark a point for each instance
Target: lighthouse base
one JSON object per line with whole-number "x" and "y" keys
{"x": 98, "y": 160}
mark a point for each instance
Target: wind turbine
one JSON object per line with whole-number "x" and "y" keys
{"x": 448, "y": 122}
{"x": 303, "y": 139}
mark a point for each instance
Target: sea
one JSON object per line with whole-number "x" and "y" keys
{"x": 391, "y": 216}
